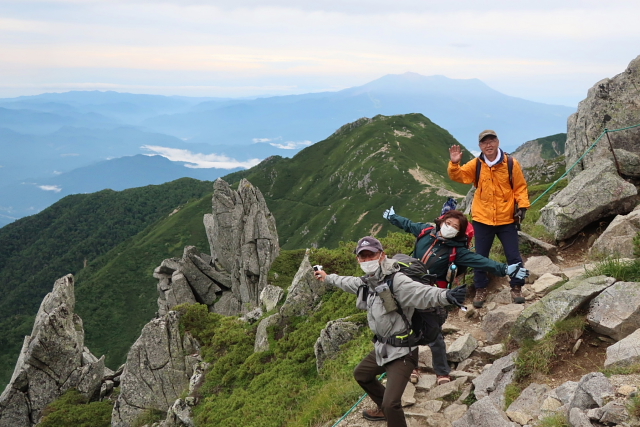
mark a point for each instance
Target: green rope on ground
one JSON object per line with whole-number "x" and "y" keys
{"x": 356, "y": 404}
{"x": 581, "y": 157}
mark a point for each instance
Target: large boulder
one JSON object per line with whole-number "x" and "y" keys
{"x": 618, "y": 237}
{"x": 594, "y": 193}
{"x": 484, "y": 413}
{"x": 625, "y": 352}
{"x": 158, "y": 369}
{"x": 610, "y": 103}
{"x": 616, "y": 311}
{"x": 243, "y": 239}
{"x": 497, "y": 323}
{"x": 528, "y": 405}
{"x": 495, "y": 378}
{"x": 304, "y": 293}
{"x": 538, "y": 319}
{"x": 53, "y": 360}
{"x": 332, "y": 337}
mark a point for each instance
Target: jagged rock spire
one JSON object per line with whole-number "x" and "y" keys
{"x": 53, "y": 360}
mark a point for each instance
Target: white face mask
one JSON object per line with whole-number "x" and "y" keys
{"x": 370, "y": 267}
{"x": 447, "y": 231}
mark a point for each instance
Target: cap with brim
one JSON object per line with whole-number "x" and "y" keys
{"x": 369, "y": 244}
{"x": 487, "y": 133}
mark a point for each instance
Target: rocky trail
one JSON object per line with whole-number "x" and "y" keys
{"x": 481, "y": 364}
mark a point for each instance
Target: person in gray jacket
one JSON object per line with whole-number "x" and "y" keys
{"x": 397, "y": 362}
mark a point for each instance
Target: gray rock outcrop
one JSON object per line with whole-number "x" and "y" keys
{"x": 538, "y": 319}
{"x": 484, "y": 413}
{"x": 497, "y": 323}
{"x": 52, "y": 361}
{"x": 610, "y": 103}
{"x": 304, "y": 293}
{"x": 625, "y": 352}
{"x": 495, "y": 378}
{"x": 244, "y": 242}
{"x": 332, "y": 337}
{"x": 527, "y": 406}
{"x": 270, "y": 297}
{"x": 617, "y": 239}
{"x": 594, "y": 193}
{"x": 158, "y": 369}
{"x": 616, "y": 311}
{"x": 592, "y": 391}
{"x": 243, "y": 239}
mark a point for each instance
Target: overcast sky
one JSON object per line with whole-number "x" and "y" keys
{"x": 548, "y": 51}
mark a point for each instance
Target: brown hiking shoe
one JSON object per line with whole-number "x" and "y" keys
{"x": 480, "y": 298}
{"x": 374, "y": 414}
{"x": 516, "y": 295}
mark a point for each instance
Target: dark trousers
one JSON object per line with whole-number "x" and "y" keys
{"x": 438, "y": 347}
{"x": 508, "y": 236}
{"x": 389, "y": 399}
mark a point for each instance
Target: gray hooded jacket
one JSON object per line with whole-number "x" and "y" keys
{"x": 409, "y": 295}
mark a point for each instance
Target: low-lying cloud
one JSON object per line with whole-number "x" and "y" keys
{"x": 199, "y": 160}
{"x": 291, "y": 145}
{"x": 54, "y": 188}
{"x": 261, "y": 140}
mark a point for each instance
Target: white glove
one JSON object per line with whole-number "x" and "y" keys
{"x": 387, "y": 214}
{"x": 517, "y": 271}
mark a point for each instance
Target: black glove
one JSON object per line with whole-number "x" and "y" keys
{"x": 520, "y": 214}
{"x": 456, "y": 296}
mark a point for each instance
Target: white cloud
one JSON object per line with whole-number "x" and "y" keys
{"x": 199, "y": 160}
{"x": 54, "y": 188}
{"x": 291, "y": 145}
{"x": 259, "y": 140}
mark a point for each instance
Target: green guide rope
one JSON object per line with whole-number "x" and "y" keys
{"x": 356, "y": 404}
{"x": 604, "y": 132}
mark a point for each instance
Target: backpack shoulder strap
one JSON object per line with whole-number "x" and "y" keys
{"x": 510, "y": 167}
{"x": 453, "y": 254}
{"x": 389, "y": 282}
{"x": 478, "y": 166}
{"x": 424, "y": 232}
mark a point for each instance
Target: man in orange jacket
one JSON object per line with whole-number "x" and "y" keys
{"x": 499, "y": 205}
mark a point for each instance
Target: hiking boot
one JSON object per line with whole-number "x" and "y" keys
{"x": 443, "y": 379}
{"x": 374, "y": 414}
{"x": 516, "y": 295}
{"x": 480, "y": 298}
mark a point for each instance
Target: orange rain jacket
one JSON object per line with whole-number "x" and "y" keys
{"x": 494, "y": 201}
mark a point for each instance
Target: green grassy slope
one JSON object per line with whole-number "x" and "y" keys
{"x": 37, "y": 250}
{"x": 338, "y": 188}
{"x": 553, "y": 145}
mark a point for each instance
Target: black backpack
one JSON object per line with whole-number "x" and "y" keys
{"x": 421, "y": 330}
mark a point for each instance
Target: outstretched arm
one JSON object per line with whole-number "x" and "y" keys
{"x": 407, "y": 225}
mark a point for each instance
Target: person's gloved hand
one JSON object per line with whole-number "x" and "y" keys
{"x": 520, "y": 214}
{"x": 456, "y": 296}
{"x": 387, "y": 214}
{"x": 517, "y": 271}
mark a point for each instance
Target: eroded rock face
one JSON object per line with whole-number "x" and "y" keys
{"x": 616, "y": 311}
{"x": 494, "y": 379}
{"x": 611, "y": 103}
{"x": 53, "y": 360}
{"x": 594, "y": 193}
{"x": 537, "y": 320}
{"x": 243, "y": 239}
{"x": 304, "y": 293}
{"x": 334, "y": 335}
{"x": 244, "y": 242}
{"x": 158, "y": 369}
{"x": 618, "y": 237}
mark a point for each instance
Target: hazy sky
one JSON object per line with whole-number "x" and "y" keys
{"x": 548, "y": 51}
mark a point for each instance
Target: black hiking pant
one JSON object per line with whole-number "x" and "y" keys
{"x": 508, "y": 236}
{"x": 388, "y": 398}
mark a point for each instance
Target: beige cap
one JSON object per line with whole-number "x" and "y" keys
{"x": 487, "y": 133}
